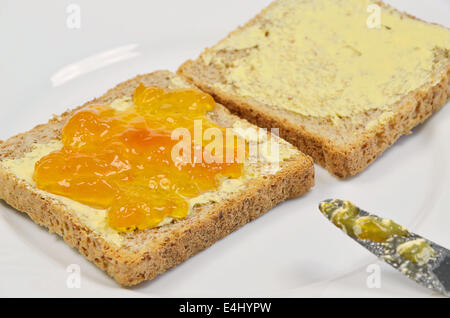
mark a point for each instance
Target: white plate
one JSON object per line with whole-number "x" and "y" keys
{"x": 46, "y": 67}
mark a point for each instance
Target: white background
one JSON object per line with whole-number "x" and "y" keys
{"x": 292, "y": 251}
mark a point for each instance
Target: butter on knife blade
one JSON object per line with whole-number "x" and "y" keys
{"x": 423, "y": 261}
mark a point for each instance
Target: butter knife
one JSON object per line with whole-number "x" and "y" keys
{"x": 422, "y": 260}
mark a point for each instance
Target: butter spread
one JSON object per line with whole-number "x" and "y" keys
{"x": 319, "y": 58}
{"x": 417, "y": 251}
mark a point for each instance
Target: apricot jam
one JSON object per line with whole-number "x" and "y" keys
{"x": 122, "y": 161}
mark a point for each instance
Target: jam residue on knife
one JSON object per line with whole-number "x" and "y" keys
{"x": 345, "y": 215}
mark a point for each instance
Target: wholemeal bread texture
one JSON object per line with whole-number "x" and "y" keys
{"x": 131, "y": 258}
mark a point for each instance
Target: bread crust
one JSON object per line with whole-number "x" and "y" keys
{"x": 151, "y": 252}
{"x": 343, "y": 162}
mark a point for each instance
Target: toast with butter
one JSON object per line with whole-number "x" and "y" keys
{"x": 342, "y": 79}
{"x": 131, "y": 257}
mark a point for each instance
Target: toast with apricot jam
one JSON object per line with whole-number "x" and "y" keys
{"x": 132, "y": 254}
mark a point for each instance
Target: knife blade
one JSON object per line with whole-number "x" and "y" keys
{"x": 416, "y": 257}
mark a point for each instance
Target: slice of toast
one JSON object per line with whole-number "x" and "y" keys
{"x": 342, "y": 79}
{"x": 131, "y": 258}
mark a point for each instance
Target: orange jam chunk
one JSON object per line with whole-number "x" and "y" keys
{"x": 123, "y": 161}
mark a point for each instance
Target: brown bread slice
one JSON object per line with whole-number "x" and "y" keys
{"x": 142, "y": 255}
{"x": 345, "y": 148}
